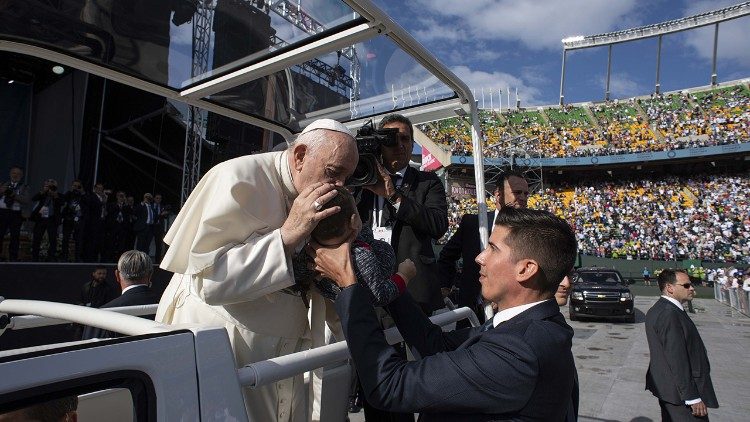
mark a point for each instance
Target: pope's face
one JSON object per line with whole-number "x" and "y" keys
{"x": 333, "y": 161}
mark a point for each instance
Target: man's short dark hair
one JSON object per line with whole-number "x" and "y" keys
{"x": 53, "y": 410}
{"x": 337, "y": 224}
{"x": 668, "y": 276}
{"x": 505, "y": 175}
{"x": 543, "y": 237}
{"x": 100, "y": 267}
{"x": 397, "y": 118}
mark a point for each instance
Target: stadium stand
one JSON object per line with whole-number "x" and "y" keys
{"x": 665, "y": 218}
{"x": 645, "y": 124}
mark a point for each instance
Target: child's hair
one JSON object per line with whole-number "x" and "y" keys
{"x": 337, "y": 224}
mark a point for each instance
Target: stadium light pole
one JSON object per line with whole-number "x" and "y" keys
{"x": 657, "y": 88}
{"x": 562, "y": 77}
{"x": 609, "y": 71}
{"x": 716, "y": 45}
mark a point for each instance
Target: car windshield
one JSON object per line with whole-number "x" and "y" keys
{"x": 599, "y": 278}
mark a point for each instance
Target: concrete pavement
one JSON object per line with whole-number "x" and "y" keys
{"x": 612, "y": 358}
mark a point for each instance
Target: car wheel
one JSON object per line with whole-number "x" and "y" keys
{"x": 630, "y": 319}
{"x": 573, "y": 317}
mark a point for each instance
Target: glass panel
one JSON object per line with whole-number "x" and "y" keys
{"x": 154, "y": 39}
{"x": 369, "y": 78}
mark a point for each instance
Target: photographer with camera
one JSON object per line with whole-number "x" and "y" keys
{"x": 14, "y": 197}
{"x": 405, "y": 207}
{"x": 72, "y": 220}
{"x": 46, "y": 218}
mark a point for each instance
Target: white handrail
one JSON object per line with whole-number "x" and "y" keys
{"x": 100, "y": 318}
{"x": 268, "y": 371}
{"x": 23, "y": 322}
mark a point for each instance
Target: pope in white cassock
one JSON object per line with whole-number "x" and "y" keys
{"x": 231, "y": 249}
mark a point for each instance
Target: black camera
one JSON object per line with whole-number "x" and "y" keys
{"x": 369, "y": 141}
{"x": 53, "y": 188}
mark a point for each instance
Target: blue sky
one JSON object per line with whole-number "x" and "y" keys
{"x": 516, "y": 43}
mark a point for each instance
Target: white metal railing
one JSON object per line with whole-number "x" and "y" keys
{"x": 52, "y": 313}
{"x": 276, "y": 369}
{"x": 23, "y": 322}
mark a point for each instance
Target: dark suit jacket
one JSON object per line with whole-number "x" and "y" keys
{"x": 421, "y": 217}
{"x": 141, "y": 217}
{"x": 679, "y": 368}
{"x": 464, "y": 244}
{"x": 140, "y": 295}
{"x": 521, "y": 370}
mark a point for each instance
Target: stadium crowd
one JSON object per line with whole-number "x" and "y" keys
{"x": 702, "y": 217}
{"x": 656, "y": 123}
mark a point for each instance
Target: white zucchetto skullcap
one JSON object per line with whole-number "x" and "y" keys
{"x": 328, "y": 124}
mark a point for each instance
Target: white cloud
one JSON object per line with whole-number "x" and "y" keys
{"x": 538, "y": 24}
{"x": 621, "y": 85}
{"x": 477, "y": 79}
{"x": 733, "y": 35}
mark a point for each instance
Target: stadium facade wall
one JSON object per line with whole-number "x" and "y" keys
{"x": 633, "y": 268}
{"x": 615, "y": 159}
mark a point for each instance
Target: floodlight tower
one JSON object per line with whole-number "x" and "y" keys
{"x": 658, "y": 30}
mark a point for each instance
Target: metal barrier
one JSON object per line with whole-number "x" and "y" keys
{"x": 23, "y": 322}
{"x": 734, "y": 297}
{"x": 276, "y": 369}
{"x": 52, "y": 313}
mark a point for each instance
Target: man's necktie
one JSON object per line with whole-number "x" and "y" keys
{"x": 389, "y": 211}
{"x": 487, "y": 325}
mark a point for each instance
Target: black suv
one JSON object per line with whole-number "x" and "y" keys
{"x": 601, "y": 293}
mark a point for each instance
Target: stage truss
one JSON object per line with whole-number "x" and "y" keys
{"x": 517, "y": 153}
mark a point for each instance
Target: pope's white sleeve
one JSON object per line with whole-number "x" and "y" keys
{"x": 247, "y": 271}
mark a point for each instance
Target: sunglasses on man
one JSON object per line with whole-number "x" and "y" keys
{"x": 685, "y": 285}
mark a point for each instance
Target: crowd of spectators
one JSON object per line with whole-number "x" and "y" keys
{"x": 657, "y": 123}
{"x": 703, "y": 217}
{"x": 74, "y": 225}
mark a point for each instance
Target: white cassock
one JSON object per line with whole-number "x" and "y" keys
{"x": 229, "y": 263}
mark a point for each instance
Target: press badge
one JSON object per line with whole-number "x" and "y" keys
{"x": 383, "y": 233}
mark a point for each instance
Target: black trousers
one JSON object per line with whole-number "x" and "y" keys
{"x": 673, "y": 412}
{"x": 143, "y": 238}
{"x": 72, "y": 230}
{"x": 93, "y": 241}
{"x": 42, "y": 226}
{"x": 10, "y": 221}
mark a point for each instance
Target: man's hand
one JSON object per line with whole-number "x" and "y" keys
{"x": 699, "y": 409}
{"x": 384, "y": 187}
{"x": 407, "y": 269}
{"x": 304, "y": 217}
{"x": 334, "y": 262}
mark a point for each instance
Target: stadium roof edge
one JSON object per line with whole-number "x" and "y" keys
{"x": 657, "y": 29}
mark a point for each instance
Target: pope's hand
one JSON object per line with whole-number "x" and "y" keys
{"x": 306, "y": 213}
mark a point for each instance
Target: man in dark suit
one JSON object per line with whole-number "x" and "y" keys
{"x": 407, "y": 208}
{"x": 119, "y": 214}
{"x": 512, "y": 190}
{"x": 679, "y": 371}
{"x": 518, "y": 366}
{"x": 144, "y": 222}
{"x": 46, "y": 217}
{"x": 133, "y": 273}
{"x": 95, "y": 216}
